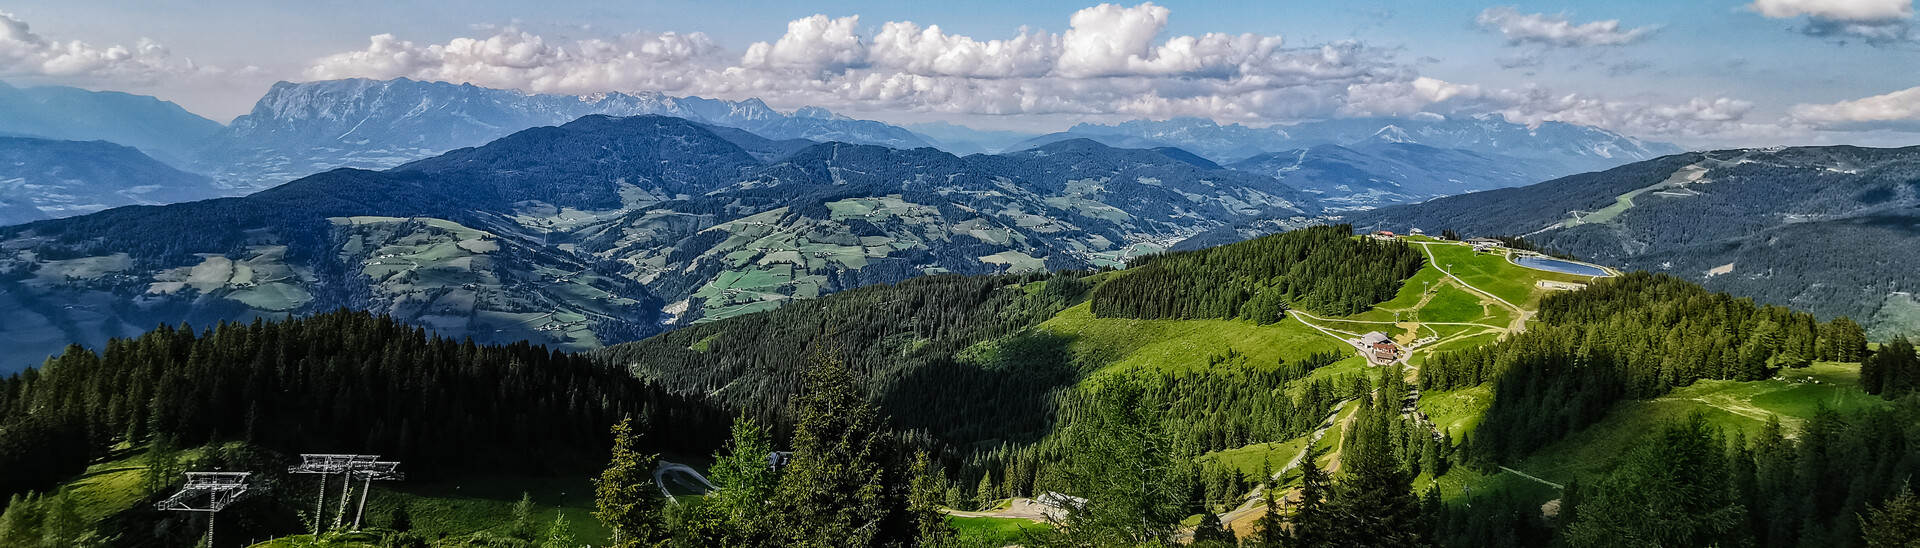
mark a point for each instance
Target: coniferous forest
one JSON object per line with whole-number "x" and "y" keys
{"x": 1321, "y": 269}
{"x": 893, "y": 404}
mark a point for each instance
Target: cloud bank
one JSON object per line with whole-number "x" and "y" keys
{"x": 1112, "y": 62}
{"x": 24, "y": 53}
{"x": 1556, "y": 30}
{"x": 1903, "y": 105}
{"x": 1878, "y": 22}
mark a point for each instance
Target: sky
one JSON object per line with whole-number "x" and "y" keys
{"x": 1700, "y": 73}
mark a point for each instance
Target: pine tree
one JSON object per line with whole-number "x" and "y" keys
{"x": 1122, "y": 464}
{"x": 1893, "y": 525}
{"x": 1211, "y": 533}
{"x": 744, "y": 476}
{"x": 624, "y": 496}
{"x": 1374, "y": 505}
{"x": 1312, "y": 520}
{"x": 560, "y": 534}
{"x": 934, "y": 531}
{"x": 836, "y": 489}
{"x": 20, "y": 522}
{"x": 60, "y": 523}
{"x": 1674, "y": 491}
{"x": 523, "y": 527}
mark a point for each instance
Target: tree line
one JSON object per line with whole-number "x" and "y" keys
{"x": 1634, "y": 336}
{"x": 340, "y": 382}
{"x": 1322, "y": 269}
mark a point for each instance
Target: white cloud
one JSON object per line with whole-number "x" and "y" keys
{"x": 1903, "y": 105}
{"x": 1837, "y": 10}
{"x": 1878, "y": 22}
{"x": 906, "y": 47}
{"x": 24, "y": 53}
{"x": 1697, "y": 120}
{"x": 812, "y": 43}
{"x": 1403, "y": 98}
{"x": 1111, "y": 60}
{"x": 517, "y": 59}
{"x": 1556, "y": 30}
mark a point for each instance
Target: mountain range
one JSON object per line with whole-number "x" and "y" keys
{"x": 1832, "y": 230}
{"x": 1359, "y": 163}
{"x": 41, "y": 179}
{"x": 584, "y": 234}
{"x": 298, "y": 129}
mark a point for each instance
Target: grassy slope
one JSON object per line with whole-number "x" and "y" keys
{"x": 1728, "y": 405}
{"x": 1181, "y": 345}
{"x": 998, "y": 531}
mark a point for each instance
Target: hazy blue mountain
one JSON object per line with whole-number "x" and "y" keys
{"x": 304, "y": 128}
{"x": 1832, "y": 230}
{"x": 1369, "y": 162}
{"x": 583, "y": 234}
{"x": 44, "y": 179}
{"x": 1371, "y": 174}
{"x": 159, "y": 128}
{"x": 962, "y": 140}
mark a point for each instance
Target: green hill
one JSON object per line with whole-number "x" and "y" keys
{"x": 1523, "y": 390}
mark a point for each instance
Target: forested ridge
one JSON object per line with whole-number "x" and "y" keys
{"x": 1635, "y": 336}
{"x": 1322, "y": 269}
{"x": 340, "y": 382}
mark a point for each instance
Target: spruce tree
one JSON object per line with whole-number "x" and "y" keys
{"x": 1312, "y": 520}
{"x": 745, "y": 478}
{"x": 1374, "y": 505}
{"x": 560, "y": 534}
{"x": 625, "y": 497}
{"x": 837, "y": 489}
{"x": 1211, "y": 533}
{"x": 1122, "y": 465}
{"x": 1893, "y": 525}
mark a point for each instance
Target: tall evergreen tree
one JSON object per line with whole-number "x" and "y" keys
{"x": 1894, "y": 525}
{"x": 837, "y": 489}
{"x": 625, "y": 497}
{"x": 1675, "y": 491}
{"x": 1122, "y": 465}
{"x": 746, "y": 480}
{"x": 1374, "y": 505}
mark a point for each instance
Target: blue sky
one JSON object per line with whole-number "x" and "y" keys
{"x": 1699, "y": 73}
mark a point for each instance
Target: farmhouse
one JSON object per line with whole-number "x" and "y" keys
{"x": 1379, "y": 347}
{"x": 1483, "y": 245}
{"x": 1384, "y": 235}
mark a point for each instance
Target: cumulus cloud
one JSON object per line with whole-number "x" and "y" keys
{"x": 24, "y": 53}
{"x": 1876, "y": 21}
{"x": 1839, "y": 10}
{"x": 1903, "y": 105}
{"x": 1556, "y": 30}
{"x": 514, "y": 58}
{"x": 1721, "y": 119}
{"x": 1112, "y": 59}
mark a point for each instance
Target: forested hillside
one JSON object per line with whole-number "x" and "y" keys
{"x": 1322, "y": 269}
{"x": 593, "y": 232}
{"x": 1636, "y": 336}
{"x": 1829, "y": 230}
{"x": 341, "y": 382}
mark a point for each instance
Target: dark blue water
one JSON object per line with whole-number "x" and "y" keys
{"x": 1556, "y": 265}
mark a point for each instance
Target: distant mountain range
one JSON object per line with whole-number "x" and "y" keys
{"x": 1370, "y": 162}
{"x": 299, "y": 129}
{"x": 43, "y": 179}
{"x": 159, "y": 128}
{"x": 604, "y": 229}
{"x": 1832, "y": 230}
{"x": 305, "y": 128}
